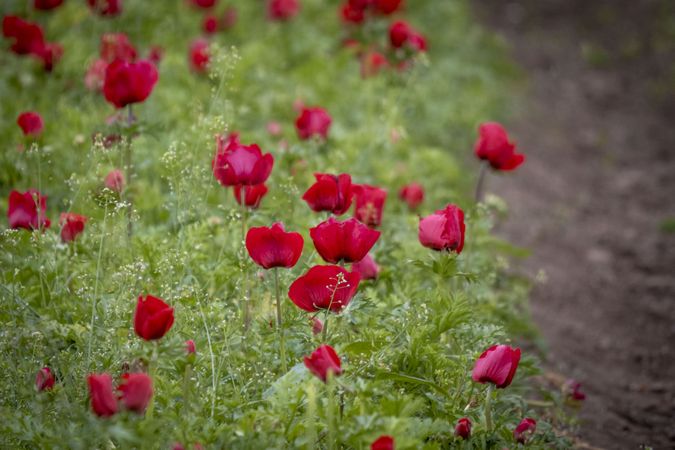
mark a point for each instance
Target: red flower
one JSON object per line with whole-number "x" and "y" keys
{"x": 237, "y": 164}
{"x": 210, "y": 24}
{"x": 190, "y": 347}
{"x": 331, "y": 193}
{"x": 526, "y": 428}
{"x": 44, "y": 380}
{"x": 49, "y": 55}
{"x": 387, "y": 6}
{"x": 317, "y": 325}
{"x": 572, "y": 389}
{"x": 95, "y": 75}
{"x": 115, "y": 180}
{"x": 23, "y": 210}
{"x": 351, "y": 13}
{"x": 463, "y": 428}
{"x": 31, "y": 123}
{"x": 313, "y": 122}
{"x": 367, "y": 268}
{"x": 372, "y": 63}
{"x": 105, "y": 7}
{"x": 496, "y": 365}
{"x": 155, "y": 55}
{"x": 493, "y": 145}
{"x": 401, "y": 33}
{"x": 324, "y": 287}
{"x": 252, "y": 194}
{"x": 349, "y": 240}
{"x": 103, "y": 400}
{"x": 135, "y": 391}
{"x": 383, "y": 443}
{"x": 412, "y": 194}
{"x": 28, "y": 37}
{"x": 71, "y": 226}
{"x": 369, "y": 204}
{"x": 117, "y": 46}
{"x": 46, "y": 5}
{"x": 443, "y": 230}
{"x": 126, "y": 83}
{"x": 205, "y": 4}
{"x": 199, "y": 56}
{"x": 281, "y": 10}
{"x": 153, "y": 318}
{"x": 274, "y": 247}
{"x": 322, "y": 361}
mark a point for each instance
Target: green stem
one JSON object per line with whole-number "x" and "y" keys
{"x": 129, "y": 172}
{"x": 246, "y": 313}
{"x": 478, "y": 196}
{"x": 186, "y": 386}
{"x": 330, "y": 413}
{"x": 280, "y": 329}
{"x": 92, "y": 336}
{"x": 324, "y": 333}
{"x": 488, "y": 409}
{"x": 152, "y": 373}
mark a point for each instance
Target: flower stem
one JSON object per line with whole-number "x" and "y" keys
{"x": 186, "y": 386}
{"x": 324, "y": 334}
{"x": 92, "y": 335}
{"x": 330, "y": 413}
{"x": 129, "y": 172}
{"x": 152, "y": 371}
{"x": 246, "y": 313}
{"x": 479, "y": 184}
{"x": 280, "y": 329}
{"x": 488, "y": 409}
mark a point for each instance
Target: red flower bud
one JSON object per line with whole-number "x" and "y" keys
{"x": 23, "y": 211}
{"x": 330, "y": 193}
{"x": 572, "y": 390}
{"x": 31, "y": 123}
{"x": 313, "y": 122}
{"x": 494, "y": 146}
{"x": 199, "y": 55}
{"x": 274, "y": 247}
{"x": 369, "y": 204}
{"x": 463, "y": 428}
{"x": 115, "y": 180}
{"x": 526, "y": 428}
{"x": 372, "y": 63}
{"x": 324, "y": 287}
{"x": 190, "y": 347}
{"x": 383, "y": 443}
{"x": 282, "y": 10}
{"x": 135, "y": 391}
{"x": 44, "y": 380}
{"x": 153, "y": 318}
{"x": 412, "y": 194}
{"x": 367, "y": 268}
{"x": 349, "y": 240}
{"x": 322, "y": 361}
{"x": 103, "y": 401}
{"x": 71, "y": 226}
{"x": 443, "y": 230}
{"x": 126, "y": 83}
{"x": 317, "y": 325}
{"x": 253, "y": 195}
{"x": 496, "y": 365}
{"x": 210, "y": 24}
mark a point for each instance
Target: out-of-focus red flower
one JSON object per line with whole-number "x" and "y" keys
{"x": 348, "y": 241}
{"x": 496, "y": 365}
{"x": 50, "y": 55}
{"x": 31, "y": 123}
{"x": 115, "y": 180}
{"x": 332, "y": 193}
{"x": 28, "y": 37}
{"x": 95, "y": 76}
{"x": 463, "y": 428}
{"x": 323, "y": 361}
{"x": 46, "y": 5}
{"x": 572, "y": 390}
{"x": 372, "y": 62}
{"x": 253, "y": 195}
{"x": 313, "y": 122}
{"x": 153, "y": 318}
{"x": 23, "y": 211}
{"x": 352, "y": 14}
{"x": 204, "y": 4}
{"x": 494, "y": 146}
{"x": 190, "y": 348}
{"x": 229, "y": 18}
{"x": 443, "y": 230}
{"x": 317, "y": 325}
{"x": 237, "y": 164}
{"x": 387, "y": 7}
{"x": 367, "y": 268}
{"x": 106, "y": 7}
{"x": 369, "y": 204}
{"x": 274, "y": 128}
{"x": 71, "y": 226}
{"x": 383, "y": 443}
{"x": 44, "y": 380}
{"x": 199, "y": 55}
{"x": 117, "y": 46}
{"x": 126, "y": 83}
{"x": 210, "y": 24}
{"x": 401, "y": 33}
{"x": 273, "y": 246}
{"x": 324, "y": 287}
{"x": 282, "y": 10}
{"x": 103, "y": 401}
{"x": 526, "y": 428}
{"x": 156, "y": 54}
{"x": 412, "y": 194}
{"x": 135, "y": 391}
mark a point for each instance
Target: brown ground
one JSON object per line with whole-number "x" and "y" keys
{"x": 594, "y": 200}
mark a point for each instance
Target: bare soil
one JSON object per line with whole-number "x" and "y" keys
{"x": 595, "y": 201}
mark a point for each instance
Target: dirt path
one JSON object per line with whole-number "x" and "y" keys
{"x": 595, "y": 199}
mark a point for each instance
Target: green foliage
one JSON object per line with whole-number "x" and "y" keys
{"x": 408, "y": 340}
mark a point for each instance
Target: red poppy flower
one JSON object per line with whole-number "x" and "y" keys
{"x": 204, "y": 4}
{"x": 313, "y": 122}
{"x": 383, "y": 443}
{"x": 387, "y": 6}
{"x": 210, "y": 24}
{"x": 71, "y": 226}
{"x": 31, "y": 123}
{"x": 526, "y": 428}
{"x": 412, "y": 194}
{"x": 332, "y": 193}
{"x": 282, "y": 10}
{"x": 44, "y": 380}
{"x": 322, "y": 361}
{"x": 494, "y": 146}
{"x": 46, "y": 5}
{"x": 348, "y": 241}
{"x": 352, "y": 14}
{"x": 199, "y": 55}
{"x": 463, "y": 428}
{"x": 105, "y": 7}
{"x": 28, "y": 37}
{"x": 126, "y": 83}
{"x": 103, "y": 400}
{"x": 253, "y": 195}
{"x": 274, "y": 247}
{"x": 367, "y": 268}
{"x": 401, "y": 33}
{"x": 153, "y": 318}
{"x": 190, "y": 348}
{"x": 372, "y": 62}
{"x": 117, "y": 46}
{"x": 23, "y": 211}
{"x": 135, "y": 391}
{"x": 443, "y": 230}
{"x": 369, "y": 204}
{"x": 237, "y": 164}
{"x": 115, "y": 180}
{"x": 324, "y": 287}
{"x": 496, "y": 365}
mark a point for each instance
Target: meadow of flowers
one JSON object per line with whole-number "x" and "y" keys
{"x": 259, "y": 224}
